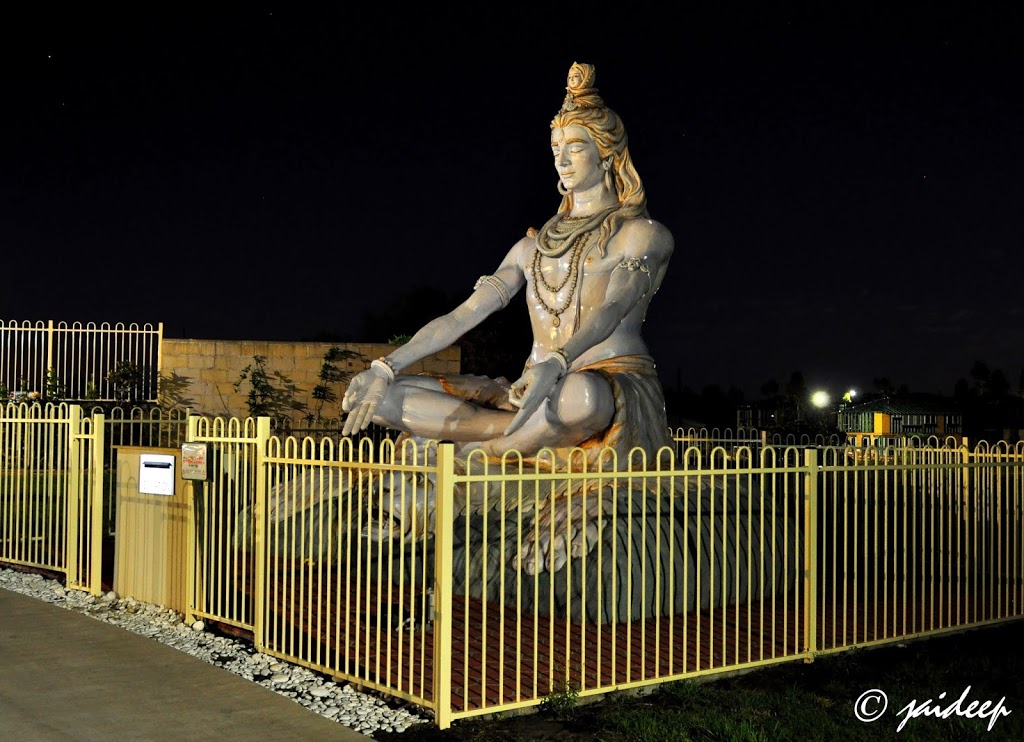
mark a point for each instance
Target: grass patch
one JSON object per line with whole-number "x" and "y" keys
{"x": 795, "y": 701}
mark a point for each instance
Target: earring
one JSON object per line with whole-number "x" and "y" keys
{"x": 562, "y": 189}
{"x": 609, "y": 184}
{"x": 607, "y": 164}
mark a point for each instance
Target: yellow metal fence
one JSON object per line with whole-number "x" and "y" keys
{"x": 51, "y": 491}
{"x": 473, "y": 586}
{"x": 57, "y": 488}
{"x": 477, "y": 586}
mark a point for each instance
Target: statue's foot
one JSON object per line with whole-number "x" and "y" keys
{"x": 292, "y": 497}
{"x": 556, "y": 535}
{"x": 400, "y": 508}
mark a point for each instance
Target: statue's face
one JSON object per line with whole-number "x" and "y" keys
{"x": 577, "y": 158}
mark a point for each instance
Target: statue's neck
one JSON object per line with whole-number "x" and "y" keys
{"x": 592, "y": 201}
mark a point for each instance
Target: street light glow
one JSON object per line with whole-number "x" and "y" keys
{"x": 819, "y": 399}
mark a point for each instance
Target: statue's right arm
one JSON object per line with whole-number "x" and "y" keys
{"x": 485, "y": 300}
{"x": 367, "y": 389}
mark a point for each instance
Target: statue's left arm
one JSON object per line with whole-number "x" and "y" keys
{"x": 643, "y": 248}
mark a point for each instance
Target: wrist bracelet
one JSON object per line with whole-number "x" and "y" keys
{"x": 384, "y": 365}
{"x": 559, "y": 355}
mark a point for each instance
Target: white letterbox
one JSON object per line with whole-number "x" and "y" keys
{"x": 156, "y": 474}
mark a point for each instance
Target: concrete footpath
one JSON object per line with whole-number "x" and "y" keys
{"x": 67, "y": 676}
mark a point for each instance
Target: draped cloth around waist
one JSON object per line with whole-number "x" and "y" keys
{"x": 639, "y": 420}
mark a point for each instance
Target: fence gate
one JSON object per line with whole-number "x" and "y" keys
{"x": 51, "y": 491}
{"x": 222, "y": 579}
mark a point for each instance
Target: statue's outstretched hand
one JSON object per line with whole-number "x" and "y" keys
{"x": 531, "y": 389}
{"x": 364, "y": 393}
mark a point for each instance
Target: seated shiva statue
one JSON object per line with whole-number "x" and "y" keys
{"x": 589, "y": 274}
{"x": 588, "y": 400}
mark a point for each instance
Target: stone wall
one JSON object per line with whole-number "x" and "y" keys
{"x": 201, "y": 374}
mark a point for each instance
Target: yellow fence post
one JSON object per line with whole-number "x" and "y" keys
{"x": 97, "y": 447}
{"x": 190, "y": 539}
{"x": 260, "y": 545}
{"x": 71, "y": 494}
{"x": 159, "y": 354}
{"x": 811, "y": 553}
{"x": 443, "y": 584}
{"x": 51, "y": 361}
{"x": 965, "y": 483}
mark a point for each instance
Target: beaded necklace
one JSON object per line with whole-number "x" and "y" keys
{"x": 560, "y": 234}
{"x": 571, "y": 278}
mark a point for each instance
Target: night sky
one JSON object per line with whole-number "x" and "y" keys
{"x": 843, "y": 182}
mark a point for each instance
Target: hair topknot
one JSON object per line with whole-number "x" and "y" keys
{"x": 580, "y": 89}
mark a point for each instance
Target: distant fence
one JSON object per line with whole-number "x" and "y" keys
{"x": 696, "y": 444}
{"x": 57, "y": 361}
{"x": 327, "y": 428}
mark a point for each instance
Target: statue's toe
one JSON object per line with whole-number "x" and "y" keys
{"x": 531, "y": 555}
{"x": 557, "y": 558}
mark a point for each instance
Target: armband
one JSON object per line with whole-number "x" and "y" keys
{"x": 636, "y": 264}
{"x": 499, "y": 288}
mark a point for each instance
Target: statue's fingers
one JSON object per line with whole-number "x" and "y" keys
{"x": 515, "y": 395}
{"x": 527, "y": 407}
{"x": 350, "y": 421}
{"x": 366, "y": 414}
{"x": 357, "y": 419}
{"x": 359, "y": 423}
{"x": 517, "y": 422}
{"x": 348, "y": 402}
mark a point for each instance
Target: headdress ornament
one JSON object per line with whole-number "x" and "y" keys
{"x": 580, "y": 90}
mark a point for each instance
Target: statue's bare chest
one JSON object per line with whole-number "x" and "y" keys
{"x": 558, "y": 283}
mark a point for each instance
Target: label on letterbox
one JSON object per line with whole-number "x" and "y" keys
{"x": 194, "y": 461}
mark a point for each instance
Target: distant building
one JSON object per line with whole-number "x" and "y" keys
{"x": 767, "y": 414}
{"x": 994, "y": 419}
{"x": 905, "y": 416}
